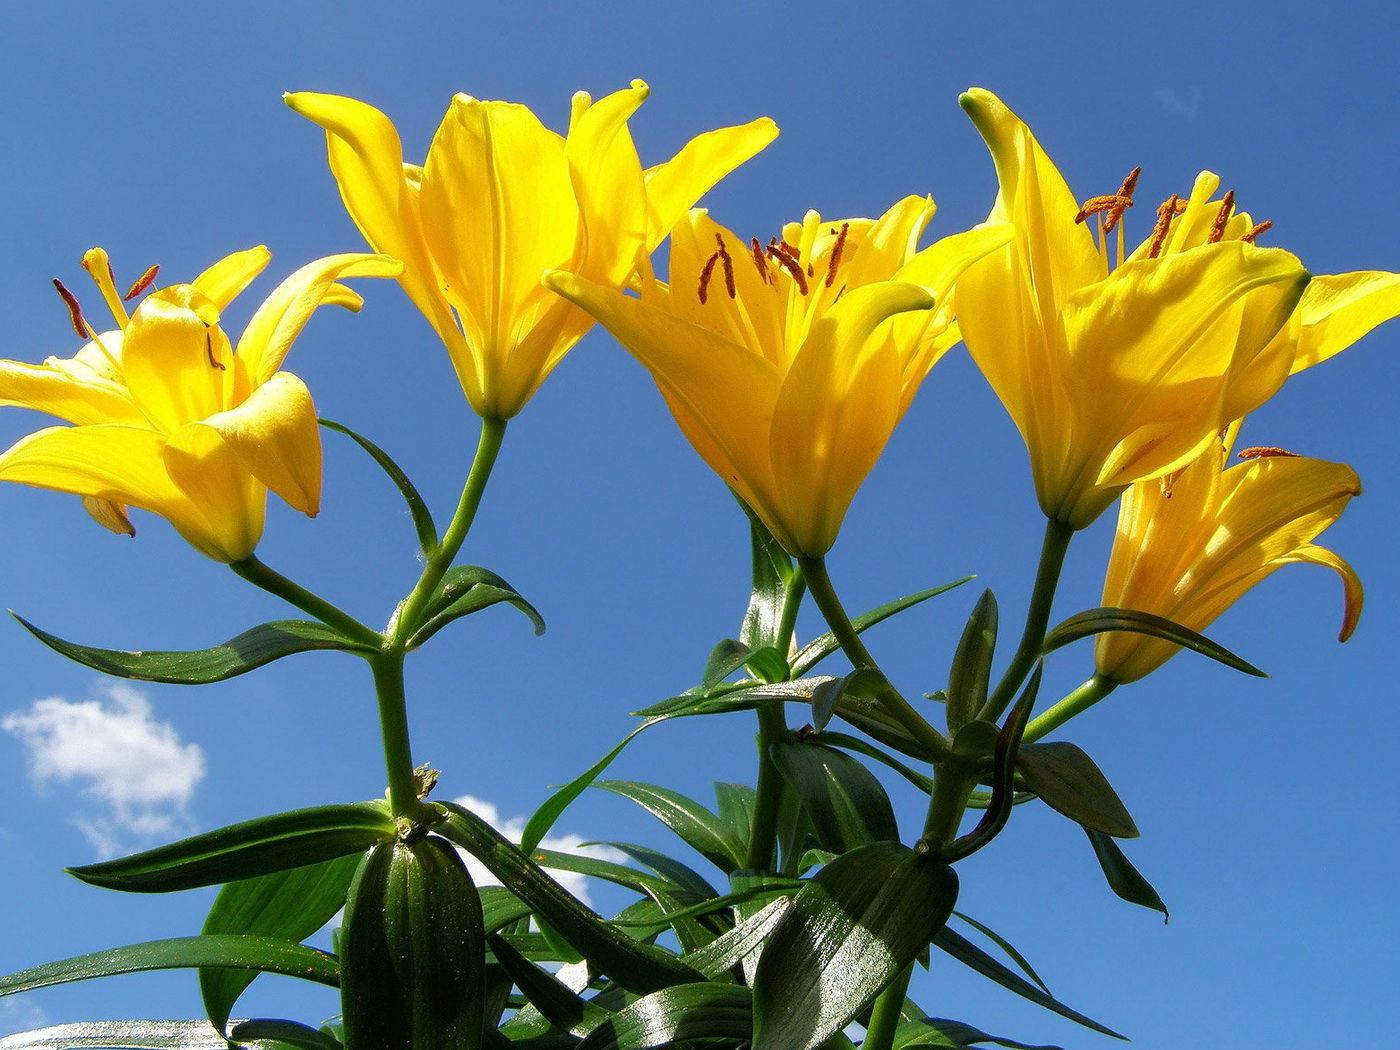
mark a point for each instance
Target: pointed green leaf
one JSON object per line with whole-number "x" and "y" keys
{"x": 972, "y": 664}
{"x": 681, "y": 875}
{"x": 939, "y": 1032}
{"x": 730, "y": 949}
{"x": 252, "y": 649}
{"x": 290, "y": 905}
{"x": 1097, "y": 621}
{"x": 555, "y": 1002}
{"x": 1071, "y": 784}
{"x": 282, "y": 1034}
{"x": 422, "y": 517}
{"x": 824, "y": 645}
{"x": 1124, "y": 879}
{"x": 1006, "y": 946}
{"x": 697, "y": 826}
{"x": 466, "y": 589}
{"x": 675, "y": 1015}
{"x": 854, "y": 926}
{"x": 772, "y": 568}
{"x": 725, "y": 658}
{"x": 845, "y": 803}
{"x": 736, "y": 696}
{"x": 767, "y": 664}
{"x": 241, "y": 851}
{"x": 864, "y": 683}
{"x": 864, "y": 747}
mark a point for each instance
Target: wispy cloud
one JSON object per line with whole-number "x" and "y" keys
{"x": 20, "y": 1015}
{"x": 513, "y": 827}
{"x": 135, "y": 771}
{"x": 1177, "y": 104}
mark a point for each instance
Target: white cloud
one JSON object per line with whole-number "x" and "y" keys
{"x": 137, "y": 772}
{"x": 20, "y": 1015}
{"x": 1179, "y": 105}
{"x": 513, "y": 827}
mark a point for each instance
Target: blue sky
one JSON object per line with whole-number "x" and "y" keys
{"x": 1266, "y": 805}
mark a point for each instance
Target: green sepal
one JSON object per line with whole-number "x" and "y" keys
{"x": 638, "y": 967}
{"x": 291, "y": 905}
{"x": 413, "y": 951}
{"x": 936, "y": 1033}
{"x": 699, "y": 828}
{"x": 1071, "y": 784}
{"x": 251, "y": 848}
{"x": 236, "y": 951}
{"x": 851, "y": 929}
{"x": 466, "y": 589}
{"x": 972, "y": 664}
{"x": 1097, "y": 621}
{"x": 847, "y": 806}
{"x": 824, "y": 645}
{"x": 1124, "y": 879}
{"x": 243, "y": 653}
{"x": 675, "y": 1015}
{"x": 422, "y": 517}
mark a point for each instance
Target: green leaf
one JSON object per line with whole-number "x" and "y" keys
{"x": 824, "y": 645}
{"x": 1071, "y": 784}
{"x": 422, "y": 518}
{"x": 283, "y": 1033}
{"x": 1006, "y": 946}
{"x": 863, "y": 683}
{"x": 128, "y": 1035}
{"x": 736, "y": 696}
{"x": 845, "y": 803}
{"x": 413, "y": 951}
{"x": 941, "y": 1032}
{"x": 555, "y": 1002}
{"x": 725, "y": 658}
{"x": 768, "y": 664}
{"x": 290, "y": 905}
{"x": 1124, "y": 879}
{"x": 236, "y": 951}
{"x": 681, "y": 875}
{"x": 735, "y": 804}
{"x": 975, "y": 958}
{"x": 772, "y": 568}
{"x": 693, "y": 823}
{"x": 638, "y": 967}
{"x": 1097, "y": 621}
{"x": 972, "y": 663}
{"x": 250, "y": 650}
{"x": 864, "y": 747}
{"x": 854, "y": 926}
{"x": 730, "y": 949}
{"x": 674, "y": 1015}
{"x": 241, "y": 851}
{"x": 466, "y": 589}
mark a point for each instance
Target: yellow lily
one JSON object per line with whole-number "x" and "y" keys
{"x": 1117, "y": 375}
{"x": 171, "y": 418}
{"x": 1190, "y": 545}
{"x": 785, "y": 365}
{"x": 499, "y": 200}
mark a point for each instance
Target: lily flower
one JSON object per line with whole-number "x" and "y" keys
{"x": 169, "y": 417}
{"x": 1189, "y": 545}
{"x": 787, "y": 366}
{"x": 1118, "y": 375}
{"x": 499, "y": 200}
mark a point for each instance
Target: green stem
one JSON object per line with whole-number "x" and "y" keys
{"x": 772, "y": 727}
{"x": 393, "y": 727}
{"x": 1047, "y": 578}
{"x": 885, "y": 1014}
{"x": 1080, "y": 700}
{"x": 952, "y": 787}
{"x": 410, "y": 613}
{"x": 824, "y": 594}
{"x": 272, "y": 581}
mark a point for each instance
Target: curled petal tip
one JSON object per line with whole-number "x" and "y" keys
{"x": 642, "y": 86}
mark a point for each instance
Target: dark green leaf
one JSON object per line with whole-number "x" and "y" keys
{"x": 824, "y": 645}
{"x": 638, "y": 967}
{"x": 975, "y": 958}
{"x": 240, "y": 952}
{"x": 768, "y": 664}
{"x": 725, "y": 658}
{"x": 972, "y": 664}
{"x": 674, "y": 1015}
{"x": 1071, "y": 784}
{"x": 422, "y": 518}
{"x": 555, "y": 1002}
{"x": 618, "y": 874}
{"x": 466, "y": 589}
{"x": 772, "y": 568}
{"x": 845, "y": 803}
{"x": 1006, "y": 946}
{"x": 863, "y": 683}
{"x": 681, "y": 875}
{"x": 854, "y": 926}
{"x": 851, "y": 743}
{"x": 1097, "y": 621}
{"x": 249, "y": 650}
{"x": 737, "y": 696}
{"x": 241, "y": 851}
{"x": 290, "y": 905}
{"x": 736, "y": 803}
{"x": 128, "y": 1035}
{"x": 940, "y": 1032}
{"x": 285, "y": 1033}
{"x": 1124, "y": 879}
{"x": 731, "y": 948}
{"x": 500, "y": 908}
{"x": 697, "y": 826}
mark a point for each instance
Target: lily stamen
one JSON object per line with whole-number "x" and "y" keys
{"x": 1222, "y": 217}
{"x": 209, "y": 350}
{"x": 788, "y": 262}
{"x": 1263, "y": 227}
{"x": 1266, "y": 452}
{"x": 75, "y": 312}
{"x": 719, "y": 255}
{"x": 836, "y": 253}
{"x": 1115, "y": 204}
{"x": 758, "y": 262}
{"x": 142, "y": 283}
{"x": 1169, "y": 209}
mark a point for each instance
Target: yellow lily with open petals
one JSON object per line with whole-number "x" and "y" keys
{"x": 169, "y": 417}
{"x": 499, "y": 200}
{"x": 1190, "y": 545}
{"x": 1115, "y": 376}
{"x": 788, "y": 366}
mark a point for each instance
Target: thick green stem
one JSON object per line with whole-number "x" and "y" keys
{"x": 439, "y": 561}
{"x": 393, "y": 727}
{"x": 898, "y": 708}
{"x": 1047, "y": 578}
{"x": 952, "y": 786}
{"x": 1080, "y": 700}
{"x": 772, "y": 727}
{"x": 272, "y": 581}
{"x": 885, "y": 1014}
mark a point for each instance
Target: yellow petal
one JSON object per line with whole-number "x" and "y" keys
{"x": 111, "y": 516}
{"x": 1337, "y": 310}
{"x": 672, "y": 187}
{"x": 213, "y": 478}
{"x": 888, "y": 244}
{"x": 223, "y": 281}
{"x": 280, "y": 319}
{"x": 1354, "y": 595}
{"x": 608, "y": 185}
{"x": 275, "y": 436}
{"x": 939, "y": 266}
{"x": 175, "y": 357}
{"x": 62, "y": 393}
